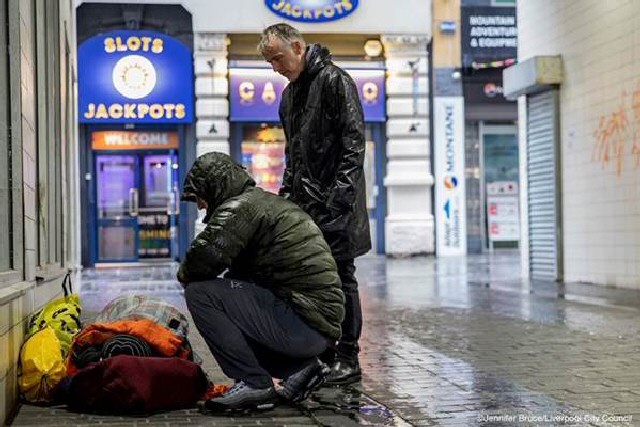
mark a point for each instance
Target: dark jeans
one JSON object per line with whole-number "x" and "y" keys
{"x": 348, "y": 348}
{"x": 252, "y": 334}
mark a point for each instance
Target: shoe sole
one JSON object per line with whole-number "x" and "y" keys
{"x": 221, "y": 409}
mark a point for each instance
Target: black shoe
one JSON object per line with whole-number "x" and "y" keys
{"x": 299, "y": 385}
{"x": 344, "y": 372}
{"x": 243, "y": 397}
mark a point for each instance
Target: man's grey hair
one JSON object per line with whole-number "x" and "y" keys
{"x": 282, "y": 31}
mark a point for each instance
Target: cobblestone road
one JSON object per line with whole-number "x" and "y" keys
{"x": 458, "y": 342}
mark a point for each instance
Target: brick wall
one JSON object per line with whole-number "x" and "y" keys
{"x": 600, "y": 46}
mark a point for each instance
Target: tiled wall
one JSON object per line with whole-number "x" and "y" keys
{"x": 20, "y": 299}
{"x": 600, "y": 46}
{"x": 16, "y": 304}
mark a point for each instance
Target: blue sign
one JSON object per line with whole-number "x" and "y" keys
{"x": 312, "y": 11}
{"x": 256, "y": 93}
{"x": 135, "y": 77}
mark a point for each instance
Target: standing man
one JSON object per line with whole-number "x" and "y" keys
{"x": 324, "y": 127}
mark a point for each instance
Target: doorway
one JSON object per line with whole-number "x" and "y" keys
{"x": 500, "y": 185}
{"x": 137, "y": 206}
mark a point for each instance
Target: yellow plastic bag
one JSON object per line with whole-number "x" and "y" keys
{"x": 62, "y": 314}
{"x": 42, "y": 366}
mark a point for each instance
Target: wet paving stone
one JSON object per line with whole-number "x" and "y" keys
{"x": 447, "y": 342}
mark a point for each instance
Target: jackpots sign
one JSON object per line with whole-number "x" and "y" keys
{"x": 312, "y": 10}
{"x": 134, "y": 77}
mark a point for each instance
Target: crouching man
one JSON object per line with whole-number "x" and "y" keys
{"x": 280, "y": 303}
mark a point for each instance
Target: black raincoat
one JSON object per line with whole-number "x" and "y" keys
{"x": 261, "y": 238}
{"x": 324, "y": 126}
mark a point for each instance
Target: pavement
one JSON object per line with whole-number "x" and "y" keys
{"x": 446, "y": 342}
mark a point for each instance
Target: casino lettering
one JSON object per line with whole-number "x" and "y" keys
{"x": 135, "y": 111}
{"x": 133, "y": 44}
{"x": 285, "y": 7}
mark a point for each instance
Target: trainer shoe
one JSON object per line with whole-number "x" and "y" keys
{"x": 243, "y": 397}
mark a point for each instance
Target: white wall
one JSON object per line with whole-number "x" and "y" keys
{"x": 251, "y": 16}
{"x": 600, "y": 45}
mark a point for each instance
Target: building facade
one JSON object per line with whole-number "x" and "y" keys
{"x": 578, "y": 89}
{"x": 38, "y": 169}
{"x": 136, "y": 112}
{"x": 237, "y": 94}
{"x": 488, "y": 45}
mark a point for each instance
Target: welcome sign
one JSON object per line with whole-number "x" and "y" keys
{"x": 135, "y": 77}
{"x": 312, "y": 10}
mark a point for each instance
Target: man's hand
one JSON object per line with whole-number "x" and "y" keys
{"x": 284, "y": 194}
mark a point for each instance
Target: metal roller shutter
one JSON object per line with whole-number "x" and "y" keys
{"x": 544, "y": 186}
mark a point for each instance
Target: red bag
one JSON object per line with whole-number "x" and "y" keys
{"x": 136, "y": 385}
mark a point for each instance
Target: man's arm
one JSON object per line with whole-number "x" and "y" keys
{"x": 285, "y": 189}
{"x": 228, "y": 232}
{"x": 342, "y": 194}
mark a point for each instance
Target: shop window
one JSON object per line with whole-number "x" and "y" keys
{"x": 263, "y": 155}
{"x": 11, "y": 158}
{"x": 49, "y": 141}
{"x": 6, "y": 202}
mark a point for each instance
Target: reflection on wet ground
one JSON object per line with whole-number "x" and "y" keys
{"x": 445, "y": 342}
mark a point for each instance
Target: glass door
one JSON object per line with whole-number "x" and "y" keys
{"x": 500, "y": 178}
{"x": 117, "y": 206}
{"x": 159, "y": 206}
{"x": 137, "y": 206}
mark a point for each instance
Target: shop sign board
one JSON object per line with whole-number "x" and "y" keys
{"x": 132, "y": 140}
{"x": 502, "y": 211}
{"x": 155, "y": 234}
{"x": 450, "y": 211}
{"x": 484, "y": 87}
{"x": 256, "y": 94}
{"x": 488, "y": 34}
{"x": 135, "y": 77}
{"x": 312, "y": 11}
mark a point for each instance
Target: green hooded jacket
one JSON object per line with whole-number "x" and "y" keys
{"x": 262, "y": 238}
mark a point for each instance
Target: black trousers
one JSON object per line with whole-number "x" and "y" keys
{"x": 252, "y": 334}
{"x": 348, "y": 347}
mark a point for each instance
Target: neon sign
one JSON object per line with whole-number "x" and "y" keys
{"x": 312, "y": 11}
{"x": 135, "y": 77}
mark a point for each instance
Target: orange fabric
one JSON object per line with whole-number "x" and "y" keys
{"x": 159, "y": 338}
{"x": 215, "y": 390}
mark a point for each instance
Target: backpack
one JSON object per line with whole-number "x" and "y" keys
{"x": 62, "y": 315}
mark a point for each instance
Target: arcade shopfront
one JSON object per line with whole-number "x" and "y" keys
{"x": 136, "y": 106}
{"x": 257, "y": 138}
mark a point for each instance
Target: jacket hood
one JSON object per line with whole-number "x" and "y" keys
{"x": 215, "y": 177}
{"x": 317, "y": 58}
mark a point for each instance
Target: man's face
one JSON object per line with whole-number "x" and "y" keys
{"x": 285, "y": 58}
